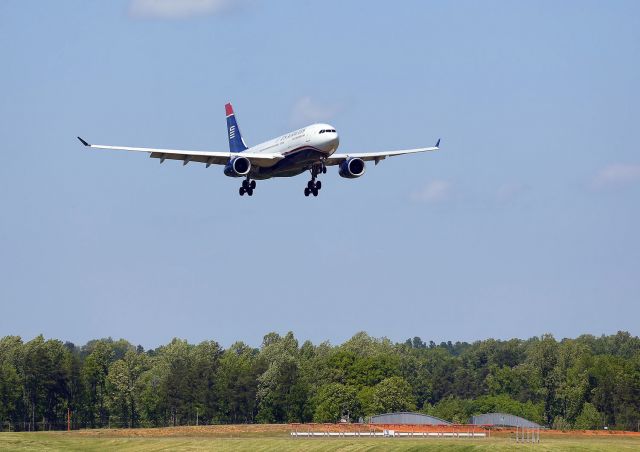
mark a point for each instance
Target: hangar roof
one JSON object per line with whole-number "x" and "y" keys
{"x": 502, "y": 419}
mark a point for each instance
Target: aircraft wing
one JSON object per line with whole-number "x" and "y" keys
{"x": 207, "y": 157}
{"x": 336, "y": 159}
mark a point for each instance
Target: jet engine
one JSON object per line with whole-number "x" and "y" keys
{"x": 237, "y": 167}
{"x": 352, "y": 168}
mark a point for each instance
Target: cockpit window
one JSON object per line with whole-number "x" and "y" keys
{"x": 322, "y": 131}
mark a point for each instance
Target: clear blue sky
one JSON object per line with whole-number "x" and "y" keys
{"x": 525, "y": 222}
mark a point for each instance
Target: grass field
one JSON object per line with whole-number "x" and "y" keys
{"x": 277, "y": 442}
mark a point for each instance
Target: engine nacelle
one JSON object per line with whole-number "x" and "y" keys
{"x": 352, "y": 168}
{"x": 237, "y": 167}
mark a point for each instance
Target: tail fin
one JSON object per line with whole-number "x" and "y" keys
{"x": 236, "y": 143}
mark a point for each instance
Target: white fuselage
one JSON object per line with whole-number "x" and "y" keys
{"x": 321, "y": 137}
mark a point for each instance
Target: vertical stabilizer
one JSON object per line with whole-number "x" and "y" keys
{"x": 236, "y": 143}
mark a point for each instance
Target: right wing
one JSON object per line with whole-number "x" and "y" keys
{"x": 208, "y": 157}
{"x": 336, "y": 159}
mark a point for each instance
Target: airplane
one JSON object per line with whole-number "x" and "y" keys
{"x": 311, "y": 148}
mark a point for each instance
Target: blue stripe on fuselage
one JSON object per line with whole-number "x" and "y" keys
{"x": 294, "y": 162}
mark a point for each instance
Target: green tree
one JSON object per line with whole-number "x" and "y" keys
{"x": 45, "y": 369}
{"x": 11, "y": 389}
{"x": 335, "y": 401}
{"x": 10, "y": 393}
{"x": 237, "y": 383}
{"x": 606, "y": 374}
{"x": 123, "y": 386}
{"x": 519, "y": 382}
{"x": 560, "y": 423}
{"x": 451, "y": 409}
{"x": 543, "y": 356}
{"x": 364, "y": 361}
{"x": 178, "y": 382}
{"x": 589, "y": 418}
{"x": 94, "y": 378}
{"x": 206, "y": 364}
{"x": 153, "y": 402}
{"x": 414, "y": 369}
{"x": 393, "y": 394}
{"x": 367, "y": 401}
{"x": 282, "y": 391}
{"x": 582, "y": 382}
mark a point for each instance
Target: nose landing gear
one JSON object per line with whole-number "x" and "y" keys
{"x": 247, "y": 187}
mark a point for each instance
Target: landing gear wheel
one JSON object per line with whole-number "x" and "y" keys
{"x": 307, "y": 192}
{"x": 247, "y": 187}
{"x": 310, "y": 185}
{"x": 324, "y": 169}
{"x": 318, "y": 185}
{"x": 315, "y": 192}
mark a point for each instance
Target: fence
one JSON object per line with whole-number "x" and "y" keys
{"x": 387, "y": 430}
{"x": 527, "y": 435}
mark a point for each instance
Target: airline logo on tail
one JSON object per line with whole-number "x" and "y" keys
{"x": 236, "y": 143}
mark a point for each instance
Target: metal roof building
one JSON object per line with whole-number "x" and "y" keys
{"x": 502, "y": 419}
{"x": 407, "y": 418}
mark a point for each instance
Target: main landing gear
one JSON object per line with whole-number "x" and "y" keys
{"x": 247, "y": 187}
{"x": 314, "y": 186}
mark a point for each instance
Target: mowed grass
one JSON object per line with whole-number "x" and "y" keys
{"x": 74, "y": 441}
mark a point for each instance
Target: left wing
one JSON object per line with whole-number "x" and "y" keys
{"x": 208, "y": 157}
{"x": 336, "y": 159}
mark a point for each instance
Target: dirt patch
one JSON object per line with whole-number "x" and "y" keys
{"x": 568, "y": 433}
{"x": 199, "y": 431}
{"x": 271, "y": 430}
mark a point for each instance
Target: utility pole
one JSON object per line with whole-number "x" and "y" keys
{"x": 196, "y": 417}
{"x": 68, "y": 419}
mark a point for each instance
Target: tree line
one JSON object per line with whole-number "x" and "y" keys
{"x": 587, "y": 382}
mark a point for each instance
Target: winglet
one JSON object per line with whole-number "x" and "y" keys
{"x": 83, "y": 142}
{"x": 438, "y": 143}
